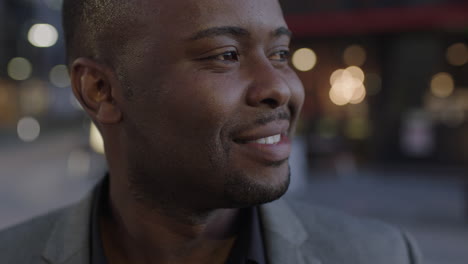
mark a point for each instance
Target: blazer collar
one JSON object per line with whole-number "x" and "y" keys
{"x": 69, "y": 240}
{"x": 285, "y": 235}
{"x": 283, "y": 230}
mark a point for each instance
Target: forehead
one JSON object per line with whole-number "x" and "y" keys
{"x": 184, "y": 17}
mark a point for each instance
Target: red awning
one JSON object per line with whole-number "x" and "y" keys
{"x": 380, "y": 20}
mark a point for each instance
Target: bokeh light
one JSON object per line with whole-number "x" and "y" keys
{"x": 347, "y": 86}
{"x": 95, "y": 139}
{"x": 337, "y": 96}
{"x": 59, "y": 76}
{"x": 354, "y": 55}
{"x": 442, "y": 85}
{"x": 457, "y": 54}
{"x": 336, "y": 75}
{"x": 28, "y": 129}
{"x": 19, "y": 69}
{"x": 43, "y": 35}
{"x": 356, "y": 72}
{"x": 359, "y": 95}
{"x": 304, "y": 59}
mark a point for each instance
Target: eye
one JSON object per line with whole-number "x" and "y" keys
{"x": 281, "y": 56}
{"x": 229, "y": 56}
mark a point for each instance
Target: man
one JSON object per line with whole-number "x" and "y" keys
{"x": 196, "y": 103}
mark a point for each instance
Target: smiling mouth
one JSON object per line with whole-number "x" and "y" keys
{"x": 268, "y": 140}
{"x": 272, "y": 140}
{"x": 269, "y": 150}
{"x": 265, "y": 143}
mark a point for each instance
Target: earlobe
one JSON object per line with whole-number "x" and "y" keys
{"x": 108, "y": 113}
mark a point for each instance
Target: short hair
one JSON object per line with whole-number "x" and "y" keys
{"x": 95, "y": 28}
{"x": 101, "y": 30}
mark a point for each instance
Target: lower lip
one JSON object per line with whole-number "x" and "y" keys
{"x": 268, "y": 152}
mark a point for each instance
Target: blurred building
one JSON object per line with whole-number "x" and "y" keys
{"x": 35, "y": 94}
{"x": 410, "y": 104}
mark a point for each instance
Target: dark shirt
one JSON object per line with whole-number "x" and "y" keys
{"x": 248, "y": 248}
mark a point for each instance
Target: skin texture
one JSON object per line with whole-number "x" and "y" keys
{"x": 175, "y": 115}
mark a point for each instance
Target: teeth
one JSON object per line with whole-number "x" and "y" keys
{"x": 269, "y": 140}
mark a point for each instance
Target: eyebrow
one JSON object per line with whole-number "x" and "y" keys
{"x": 219, "y": 31}
{"x": 282, "y": 31}
{"x": 234, "y": 31}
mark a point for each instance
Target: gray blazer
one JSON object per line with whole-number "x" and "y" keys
{"x": 294, "y": 234}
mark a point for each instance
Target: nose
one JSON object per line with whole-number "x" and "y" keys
{"x": 268, "y": 87}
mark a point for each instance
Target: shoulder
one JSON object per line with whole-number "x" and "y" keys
{"x": 341, "y": 238}
{"x": 25, "y": 242}
{"x": 313, "y": 216}
{"x": 47, "y": 236}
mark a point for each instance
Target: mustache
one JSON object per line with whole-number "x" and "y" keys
{"x": 261, "y": 120}
{"x": 270, "y": 117}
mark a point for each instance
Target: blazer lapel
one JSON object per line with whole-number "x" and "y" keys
{"x": 283, "y": 230}
{"x": 69, "y": 241}
{"x": 284, "y": 235}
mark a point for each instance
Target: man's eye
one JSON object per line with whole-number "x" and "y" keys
{"x": 228, "y": 56}
{"x": 282, "y": 55}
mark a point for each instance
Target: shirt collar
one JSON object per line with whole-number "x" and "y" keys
{"x": 249, "y": 246}
{"x": 97, "y": 249}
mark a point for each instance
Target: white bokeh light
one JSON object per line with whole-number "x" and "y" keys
{"x": 28, "y": 129}
{"x": 19, "y": 69}
{"x": 304, "y": 59}
{"x": 43, "y": 35}
{"x": 356, "y": 72}
{"x": 347, "y": 86}
{"x": 359, "y": 95}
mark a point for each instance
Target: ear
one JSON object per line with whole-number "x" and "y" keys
{"x": 93, "y": 86}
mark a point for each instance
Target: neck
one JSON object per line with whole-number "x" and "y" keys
{"x": 134, "y": 233}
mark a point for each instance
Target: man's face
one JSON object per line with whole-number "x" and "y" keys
{"x": 213, "y": 103}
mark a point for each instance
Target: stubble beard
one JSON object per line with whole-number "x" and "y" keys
{"x": 241, "y": 190}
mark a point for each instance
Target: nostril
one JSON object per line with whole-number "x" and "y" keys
{"x": 270, "y": 102}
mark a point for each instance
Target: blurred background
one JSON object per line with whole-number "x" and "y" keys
{"x": 384, "y": 131}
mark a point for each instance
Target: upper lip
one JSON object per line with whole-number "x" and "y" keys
{"x": 262, "y": 131}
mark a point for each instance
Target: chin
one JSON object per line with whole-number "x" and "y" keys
{"x": 244, "y": 189}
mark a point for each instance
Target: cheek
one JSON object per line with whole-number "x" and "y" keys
{"x": 202, "y": 102}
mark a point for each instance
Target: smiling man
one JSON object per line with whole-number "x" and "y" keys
{"x": 197, "y": 105}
